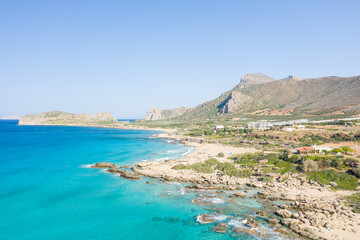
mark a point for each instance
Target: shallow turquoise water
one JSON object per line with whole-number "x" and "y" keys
{"x": 47, "y": 192}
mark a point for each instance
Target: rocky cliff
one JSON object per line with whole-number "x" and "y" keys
{"x": 63, "y": 118}
{"x": 156, "y": 113}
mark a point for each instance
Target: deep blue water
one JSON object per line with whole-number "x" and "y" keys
{"x": 47, "y": 192}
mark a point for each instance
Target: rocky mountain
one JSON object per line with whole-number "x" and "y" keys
{"x": 156, "y": 113}
{"x": 262, "y": 95}
{"x": 63, "y": 118}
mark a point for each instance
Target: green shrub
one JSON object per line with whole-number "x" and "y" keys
{"x": 205, "y": 167}
{"x": 202, "y": 167}
{"x": 309, "y": 166}
{"x": 231, "y": 170}
{"x": 221, "y": 154}
{"x": 354, "y": 202}
{"x": 267, "y": 179}
{"x": 293, "y": 158}
{"x": 212, "y": 161}
{"x": 337, "y": 150}
{"x": 179, "y": 167}
{"x": 343, "y": 180}
{"x": 355, "y": 172}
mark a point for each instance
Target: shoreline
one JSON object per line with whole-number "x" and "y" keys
{"x": 315, "y": 211}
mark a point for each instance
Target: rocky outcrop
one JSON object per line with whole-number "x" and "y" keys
{"x": 233, "y": 102}
{"x": 156, "y": 113}
{"x": 63, "y": 118}
{"x": 124, "y": 174}
{"x": 103, "y": 165}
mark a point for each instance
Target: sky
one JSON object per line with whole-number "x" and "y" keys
{"x": 127, "y": 56}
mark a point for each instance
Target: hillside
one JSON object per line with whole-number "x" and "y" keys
{"x": 63, "y": 118}
{"x": 156, "y": 113}
{"x": 258, "y": 94}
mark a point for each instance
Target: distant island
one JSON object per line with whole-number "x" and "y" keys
{"x": 11, "y": 118}
{"x": 102, "y": 119}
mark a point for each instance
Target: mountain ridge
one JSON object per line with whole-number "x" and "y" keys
{"x": 260, "y": 94}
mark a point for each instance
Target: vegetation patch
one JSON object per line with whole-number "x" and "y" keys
{"x": 354, "y": 202}
{"x": 343, "y": 180}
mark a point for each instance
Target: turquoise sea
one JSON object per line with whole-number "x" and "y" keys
{"x": 48, "y": 192}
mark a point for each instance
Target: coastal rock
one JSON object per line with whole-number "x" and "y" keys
{"x": 205, "y": 219}
{"x": 220, "y": 228}
{"x": 261, "y": 213}
{"x": 103, "y": 165}
{"x": 251, "y": 223}
{"x": 240, "y": 194}
{"x": 123, "y": 173}
{"x": 284, "y": 213}
{"x": 273, "y": 222}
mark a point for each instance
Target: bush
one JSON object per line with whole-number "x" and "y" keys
{"x": 293, "y": 158}
{"x": 179, "y": 167}
{"x": 221, "y": 154}
{"x": 343, "y": 180}
{"x": 355, "y": 172}
{"x": 309, "y": 166}
{"x": 202, "y": 167}
{"x": 212, "y": 161}
{"x": 354, "y": 202}
{"x": 232, "y": 171}
{"x": 267, "y": 179}
{"x": 337, "y": 150}
{"x": 205, "y": 167}
{"x": 347, "y": 149}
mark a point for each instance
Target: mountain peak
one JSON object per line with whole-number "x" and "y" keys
{"x": 255, "y": 78}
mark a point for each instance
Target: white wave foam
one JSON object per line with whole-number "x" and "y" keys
{"x": 220, "y": 217}
{"x": 85, "y": 165}
{"x": 161, "y": 159}
{"x": 214, "y": 200}
{"x": 188, "y": 152}
{"x": 237, "y": 223}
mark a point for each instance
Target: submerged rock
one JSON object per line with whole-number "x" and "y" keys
{"x": 220, "y": 228}
{"x": 157, "y": 219}
{"x": 171, "y": 219}
{"x": 103, "y": 165}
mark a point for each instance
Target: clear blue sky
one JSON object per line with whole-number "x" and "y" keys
{"x": 126, "y": 56}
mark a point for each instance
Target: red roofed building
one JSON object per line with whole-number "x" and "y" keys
{"x": 305, "y": 150}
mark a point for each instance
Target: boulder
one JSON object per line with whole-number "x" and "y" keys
{"x": 261, "y": 213}
{"x": 273, "y": 222}
{"x": 251, "y": 223}
{"x": 283, "y": 213}
{"x": 239, "y": 194}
